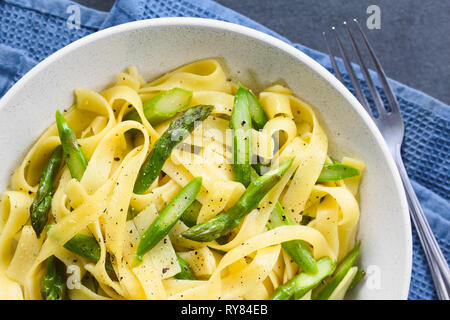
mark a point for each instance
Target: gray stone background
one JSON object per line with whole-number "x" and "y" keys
{"x": 413, "y": 43}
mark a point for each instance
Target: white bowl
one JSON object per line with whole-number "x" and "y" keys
{"x": 159, "y": 45}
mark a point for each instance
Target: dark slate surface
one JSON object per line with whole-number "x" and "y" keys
{"x": 413, "y": 43}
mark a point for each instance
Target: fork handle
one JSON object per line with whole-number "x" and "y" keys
{"x": 438, "y": 265}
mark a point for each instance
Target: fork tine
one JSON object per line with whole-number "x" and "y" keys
{"x": 373, "y": 90}
{"x": 381, "y": 74}
{"x": 351, "y": 72}
{"x": 333, "y": 60}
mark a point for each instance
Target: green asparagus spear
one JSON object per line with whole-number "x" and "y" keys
{"x": 186, "y": 271}
{"x": 190, "y": 216}
{"x": 163, "y": 106}
{"x": 53, "y": 285}
{"x": 224, "y": 222}
{"x": 261, "y": 167}
{"x": 132, "y": 213}
{"x": 254, "y": 174}
{"x": 241, "y": 125}
{"x": 358, "y": 277}
{"x": 41, "y": 204}
{"x": 75, "y": 158}
{"x": 257, "y": 112}
{"x": 168, "y": 217}
{"x": 337, "y": 171}
{"x": 87, "y": 247}
{"x": 90, "y": 282}
{"x": 324, "y": 291}
{"x": 180, "y": 127}
{"x": 303, "y": 282}
{"x": 298, "y": 250}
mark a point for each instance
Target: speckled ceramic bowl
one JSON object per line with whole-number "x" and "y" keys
{"x": 159, "y": 45}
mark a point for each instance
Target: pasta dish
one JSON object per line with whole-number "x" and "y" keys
{"x": 190, "y": 186}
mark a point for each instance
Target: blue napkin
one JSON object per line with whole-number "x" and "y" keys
{"x": 33, "y": 29}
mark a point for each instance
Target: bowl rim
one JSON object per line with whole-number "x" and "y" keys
{"x": 270, "y": 40}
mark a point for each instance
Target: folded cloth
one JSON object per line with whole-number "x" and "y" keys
{"x": 33, "y": 29}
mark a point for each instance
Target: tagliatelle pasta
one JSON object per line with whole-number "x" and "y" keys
{"x": 252, "y": 262}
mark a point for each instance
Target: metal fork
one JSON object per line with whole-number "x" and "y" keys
{"x": 390, "y": 124}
